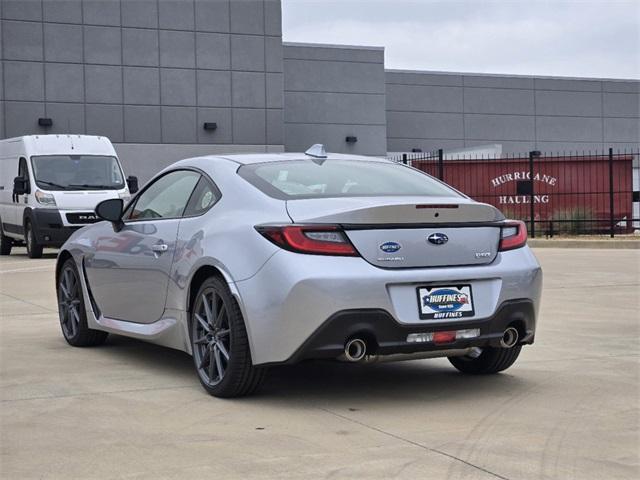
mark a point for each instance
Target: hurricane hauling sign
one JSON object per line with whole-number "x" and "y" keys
{"x": 515, "y": 176}
{"x": 562, "y": 186}
{"x": 519, "y": 176}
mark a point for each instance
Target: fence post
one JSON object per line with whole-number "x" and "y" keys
{"x": 611, "y": 207}
{"x": 404, "y": 158}
{"x": 440, "y": 164}
{"x": 532, "y": 227}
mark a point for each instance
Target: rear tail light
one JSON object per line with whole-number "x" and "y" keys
{"x": 311, "y": 239}
{"x": 513, "y": 235}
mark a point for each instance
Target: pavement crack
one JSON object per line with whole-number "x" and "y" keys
{"x": 416, "y": 444}
{"x": 23, "y": 270}
{"x": 85, "y": 394}
{"x": 28, "y": 303}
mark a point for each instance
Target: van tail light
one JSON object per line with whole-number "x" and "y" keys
{"x": 310, "y": 239}
{"x": 513, "y": 235}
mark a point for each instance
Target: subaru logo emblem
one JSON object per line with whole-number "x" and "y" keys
{"x": 390, "y": 247}
{"x": 438, "y": 238}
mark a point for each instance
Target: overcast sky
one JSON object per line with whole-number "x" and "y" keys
{"x": 589, "y": 38}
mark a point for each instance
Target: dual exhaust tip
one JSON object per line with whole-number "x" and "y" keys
{"x": 356, "y": 349}
{"x": 509, "y": 338}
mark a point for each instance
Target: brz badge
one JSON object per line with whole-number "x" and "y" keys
{"x": 438, "y": 238}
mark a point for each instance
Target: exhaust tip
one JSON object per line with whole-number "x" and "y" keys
{"x": 509, "y": 338}
{"x": 355, "y": 350}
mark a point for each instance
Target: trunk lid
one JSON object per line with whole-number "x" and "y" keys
{"x": 426, "y": 247}
{"x": 410, "y": 232}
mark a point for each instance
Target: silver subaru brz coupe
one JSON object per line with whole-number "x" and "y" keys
{"x": 251, "y": 261}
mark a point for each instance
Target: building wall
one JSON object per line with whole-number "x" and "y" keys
{"x": 145, "y": 72}
{"x": 149, "y": 73}
{"x": 430, "y": 110}
{"x": 331, "y": 92}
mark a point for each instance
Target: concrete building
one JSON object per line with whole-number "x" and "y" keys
{"x": 150, "y": 73}
{"x": 334, "y": 92}
{"x": 146, "y": 73}
{"x": 431, "y": 110}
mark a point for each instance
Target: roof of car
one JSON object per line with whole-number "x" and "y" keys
{"x": 245, "y": 159}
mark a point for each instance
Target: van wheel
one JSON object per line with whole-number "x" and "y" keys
{"x": 5, "y": 242}
{"x": 34, "y": 250}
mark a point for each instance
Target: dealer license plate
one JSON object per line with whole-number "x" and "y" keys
{"x": 445, "y": 302}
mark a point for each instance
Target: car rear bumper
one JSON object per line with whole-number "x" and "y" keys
{"x": 295, "y": 297}
{"x": 385, "y": 336}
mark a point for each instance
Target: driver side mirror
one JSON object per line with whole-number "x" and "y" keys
{"x": 132, "y": 183}
{"x": 111, "y": 210}
{"x": 20, "y": 186}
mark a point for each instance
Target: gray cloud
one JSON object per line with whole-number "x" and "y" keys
{"x": 596, "y": 38}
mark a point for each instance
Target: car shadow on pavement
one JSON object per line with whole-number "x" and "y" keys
{"x": 406, "y": 381}
{"x": 419, "y": 380}
{"x": 146, "y": 356}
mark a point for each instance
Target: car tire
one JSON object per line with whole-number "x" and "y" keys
{"x": 34, "y": 249}
{"x": 220, "y": 345}
{"x": 71, "y": 309}
{"x": 490, "y": 360}
{"x": 6, "y": 243}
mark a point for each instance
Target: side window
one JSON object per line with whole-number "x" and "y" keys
{"x": 23, "y": 172}
{"x": 167, "y": 197}
{"x": 22, "y": 168}
{"x": 204, "y": 197}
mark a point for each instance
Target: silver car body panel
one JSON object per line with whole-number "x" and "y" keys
{"x": 412, "y": 248}
{"x": 391, "y": 210}
{"x": 284, "y": 314}
{"x": 284, "y": 296}
{"x": 123, "y": 268}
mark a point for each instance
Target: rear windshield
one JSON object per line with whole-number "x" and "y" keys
{"x": 77, "y": 172}
{"x": 341, "y": 178}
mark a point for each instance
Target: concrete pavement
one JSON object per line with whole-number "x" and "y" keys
{"x": 568, "y": 409}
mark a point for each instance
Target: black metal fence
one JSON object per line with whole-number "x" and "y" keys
{"x": 555, "y": 194}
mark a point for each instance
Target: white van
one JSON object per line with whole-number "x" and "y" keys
{"x": 50, "y": 186}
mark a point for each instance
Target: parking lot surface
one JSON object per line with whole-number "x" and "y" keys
{"x": 568, "y": 408}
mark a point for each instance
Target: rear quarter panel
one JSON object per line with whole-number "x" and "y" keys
{"x": 224, "y": 237}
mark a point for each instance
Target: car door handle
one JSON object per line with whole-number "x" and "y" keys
{"x": 160, "y": 248}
